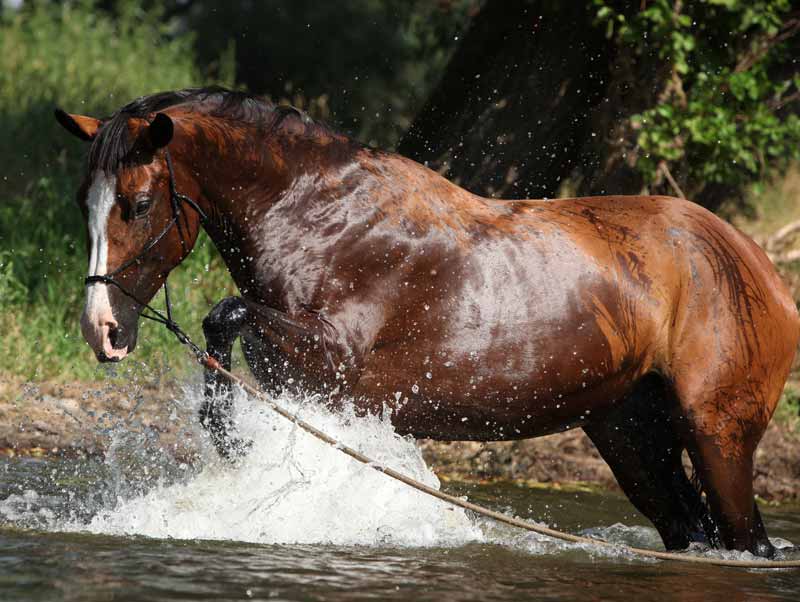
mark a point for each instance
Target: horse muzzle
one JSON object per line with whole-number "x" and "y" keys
{"x": 110, "y": 340}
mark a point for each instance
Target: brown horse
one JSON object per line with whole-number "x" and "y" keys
{"x": 648, "y": 321}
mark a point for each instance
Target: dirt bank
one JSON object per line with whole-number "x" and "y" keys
{"x": 78, "y": 418}
{"x": 568, "y": 458}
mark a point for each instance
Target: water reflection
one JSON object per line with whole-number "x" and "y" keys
{"x": 37, "y": 566}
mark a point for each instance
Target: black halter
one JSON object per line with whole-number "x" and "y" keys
{"x": 176, "y": 199}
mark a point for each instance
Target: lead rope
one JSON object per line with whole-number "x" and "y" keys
{"x": 208, "y": 362}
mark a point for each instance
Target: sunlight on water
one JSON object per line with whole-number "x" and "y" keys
{"x": 292, "y": 488}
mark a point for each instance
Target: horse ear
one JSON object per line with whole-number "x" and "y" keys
{"x": 160, "y": 131}
{"x": 81, "y": 126}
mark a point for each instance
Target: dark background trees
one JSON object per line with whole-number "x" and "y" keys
{"x": 514, "y": 98}
{"x": 522, "y": 98}
{"x": 512, "y": 112}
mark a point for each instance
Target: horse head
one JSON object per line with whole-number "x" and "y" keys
{"x": 135, "y": 233}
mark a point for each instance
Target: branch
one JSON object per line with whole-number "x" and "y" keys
{"x": 779, "y": 103}
{"x": 757, "y": 51}
{"x": 788, "y": 257}
{"x": 774, "y": 241}
{"x": 662, "y": 167}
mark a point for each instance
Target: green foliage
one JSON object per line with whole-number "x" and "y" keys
{"x": 791, "y": 397}
{"x": 788, "y": 411}
{"x": 721, "y": 112}
{"x": 12, "y": 291}
{"x": 83, "y": 59}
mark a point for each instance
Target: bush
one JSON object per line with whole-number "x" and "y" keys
{"x": 725, "y": 111}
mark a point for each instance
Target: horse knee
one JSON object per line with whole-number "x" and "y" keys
{"x": 224, "y": 322}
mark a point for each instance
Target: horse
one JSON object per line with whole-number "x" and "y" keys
{"x": 365, "y": 277}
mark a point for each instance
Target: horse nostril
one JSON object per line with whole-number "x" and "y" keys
{"x": 113, "y": 336}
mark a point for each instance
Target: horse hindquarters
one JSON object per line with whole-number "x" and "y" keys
{"x": 728, "y": 365}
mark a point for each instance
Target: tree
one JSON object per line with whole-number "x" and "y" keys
{"x": 617, "y": 97}
{"x": 511, "y": 113}
{"x": 365, "y": 65}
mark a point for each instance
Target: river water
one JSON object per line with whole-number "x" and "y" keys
{"x": 296, "y": 520}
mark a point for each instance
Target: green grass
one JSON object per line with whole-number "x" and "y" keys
{"x": 76, "y": 56}
{"x": 86, "y": 60}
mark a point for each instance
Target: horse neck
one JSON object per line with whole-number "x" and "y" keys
{"x": 259, "y": 195}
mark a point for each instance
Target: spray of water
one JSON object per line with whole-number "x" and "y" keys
{"x": 289, "y": 488}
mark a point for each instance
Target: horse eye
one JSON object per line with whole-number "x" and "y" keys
{"x": 142, "y": 207}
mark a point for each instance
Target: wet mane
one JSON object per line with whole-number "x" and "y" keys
{"x": 113, "y": 146}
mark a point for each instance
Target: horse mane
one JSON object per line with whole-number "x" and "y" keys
{"x": 113, "y": 146}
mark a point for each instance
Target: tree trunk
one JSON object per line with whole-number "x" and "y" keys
{"x": 513, "y": 111}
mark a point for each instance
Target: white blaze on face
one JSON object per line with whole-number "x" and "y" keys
{"x": 98, "y": 319}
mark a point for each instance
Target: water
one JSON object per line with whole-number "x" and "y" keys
{"x": 296, "y": 520}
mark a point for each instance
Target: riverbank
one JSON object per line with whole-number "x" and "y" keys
{"x": 82, "y": 419}
{"x": 569, "y": 460}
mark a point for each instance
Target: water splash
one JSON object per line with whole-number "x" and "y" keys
{"x": 292, "y": 488}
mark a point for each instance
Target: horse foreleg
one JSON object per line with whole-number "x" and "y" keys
{"x": 221, "y": 327}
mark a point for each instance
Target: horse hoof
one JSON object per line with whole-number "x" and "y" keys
{"x": 764, "y": 549}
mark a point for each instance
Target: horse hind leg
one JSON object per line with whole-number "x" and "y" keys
{"x": 221, "y": 327}
{"x": 722, "y": 427}
{"x": 640, "y": 444}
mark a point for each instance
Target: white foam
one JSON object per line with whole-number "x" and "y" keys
{"x": 292, "y": 488}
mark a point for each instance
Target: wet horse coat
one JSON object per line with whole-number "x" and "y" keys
{"x": 648, "y": 321}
